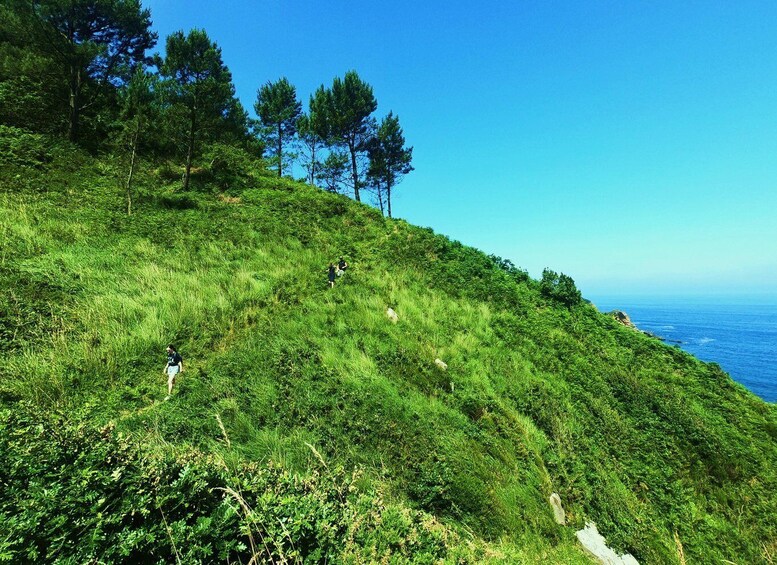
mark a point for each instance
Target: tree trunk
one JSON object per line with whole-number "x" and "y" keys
{"x": 73, "y": 118}
{"x": 313, "y": 163}
{"x": 280, "y": 152}
{"x": 388, "y": 198}
{"x": 380, "y": 198}
{"x": 132, "y": 169}
{"x": 190, "y": 149}
{"x": 354, "y": 171}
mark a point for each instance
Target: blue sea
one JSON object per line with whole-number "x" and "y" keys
{"x": 740, "y": 337}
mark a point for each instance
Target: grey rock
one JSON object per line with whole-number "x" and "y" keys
{"x": 623, "y": 318}
{"x": 596, "y": 545}
{"x": 558, "y": 511}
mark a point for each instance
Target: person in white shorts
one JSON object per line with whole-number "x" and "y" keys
{"x": 172, "y": 368}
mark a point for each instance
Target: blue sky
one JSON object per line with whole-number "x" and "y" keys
{"x": 631, "y": 145}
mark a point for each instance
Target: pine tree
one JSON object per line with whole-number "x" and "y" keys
{"x": 33, "y": 95}
{"x": 389, "y": 159}
{"x": 138, "y": 110}
{"x": 96, "y": 44}
{"x": 313, "y": 139}
{"x": 200, "y": 94}
{"x": 348, "y": 107}
{"x": 332, "y": 171}
{"x": 278, "y": 110}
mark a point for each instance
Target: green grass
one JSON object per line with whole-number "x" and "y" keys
{"x": 640, "y": 437}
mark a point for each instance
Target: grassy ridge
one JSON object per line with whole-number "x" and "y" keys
{"x": 659, "y": 449}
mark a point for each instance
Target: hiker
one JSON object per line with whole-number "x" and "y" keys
{"x": 172, "y": 368}
{"x": 341, "y": 267}
{"x": 331, "y": 275}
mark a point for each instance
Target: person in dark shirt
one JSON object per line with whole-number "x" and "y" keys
{"x": 172, "y": 368}
{"x": 332, "y": 275}
{"x": 341, "y": 267}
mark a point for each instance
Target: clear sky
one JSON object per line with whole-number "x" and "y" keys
{"x": 631, "y": 145}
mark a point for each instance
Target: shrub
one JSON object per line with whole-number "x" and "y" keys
{"x": 25, "y": 102}
{"x": 560, "y": 287}
{"x": 72, "y": 493}
{"x": 230, "y": 167}
{"x": 519, "y": 275}
{"x": 21, "y": 148}
{"x": 168, "y": 172}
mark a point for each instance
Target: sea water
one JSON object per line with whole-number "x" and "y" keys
{"x": 741, "y": 337}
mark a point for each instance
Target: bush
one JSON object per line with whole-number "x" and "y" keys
{"x": 517, "y": 274}
{"x": 25, "y": 103}
{"x": 21, "y": 148}
{"x": 560, "y": 287}
{"x": 230, "y": 167}
{"x": 168, "y": 172}
{"x": 72, "y": 493}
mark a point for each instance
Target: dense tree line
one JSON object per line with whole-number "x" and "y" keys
{"x": 83, "y": 69}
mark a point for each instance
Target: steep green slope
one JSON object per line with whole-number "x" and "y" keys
{"x": 295, "y": 387}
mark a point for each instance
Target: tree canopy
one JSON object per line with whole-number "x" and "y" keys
{"x": 560, "y": 287}
{"x": 278, "y": 110}
{"x": 347, "y": 109}
{"x": 200, "y": 93}
{"x": 82, "y": 69}
{"x": 93, "y": 42}
{"x": 389, "y": 158}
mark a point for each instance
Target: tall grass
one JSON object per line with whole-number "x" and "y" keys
{"x": 650, "y": 443}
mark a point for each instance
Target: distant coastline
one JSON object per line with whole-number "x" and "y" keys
{"x": 739, "y": 334}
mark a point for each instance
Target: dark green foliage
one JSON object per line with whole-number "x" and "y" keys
{"x": 345, "y": 111}
{"x": 27, "y": 98}
{"x": 278, "y": 110}
{"x": 231, "y": 167}
{"x": 22, "y": 149}
{"x": 559, "y": 287}
{"x": 331, "y": 172}
{"x": 31, "y": 309}
{"x": 139, "y": 107}
{"x": 76, "y": 494}
{"x": 518, "y": 274}
{"x": 389, "y": 159}
{"x": 200, "y": 97}
{"x": 33, "y": 93}
{"x": 312, "y": 141}
{"x": 31, "y": 161}
{"x": 93, "y": 44}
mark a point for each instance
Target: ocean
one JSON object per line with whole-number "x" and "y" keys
{"x": 740, "y": 337}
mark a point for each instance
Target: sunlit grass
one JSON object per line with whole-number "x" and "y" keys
{"x": 536, "y": 398}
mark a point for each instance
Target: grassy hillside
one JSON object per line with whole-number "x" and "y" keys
{"x": 330, "y": 423}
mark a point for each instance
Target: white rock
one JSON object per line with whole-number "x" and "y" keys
{"x": 441, "y": 364}
{"x": 596, "y": 545}
{"x": 392, "y": 315}
{"x": 558, "y": 511}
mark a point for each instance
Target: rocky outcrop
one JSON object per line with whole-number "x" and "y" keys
{"x": 597, "y": 546}
{"x": 558, "y": 511}
{"x": 623, "y": 318}
{"x": 590, "y": 538}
